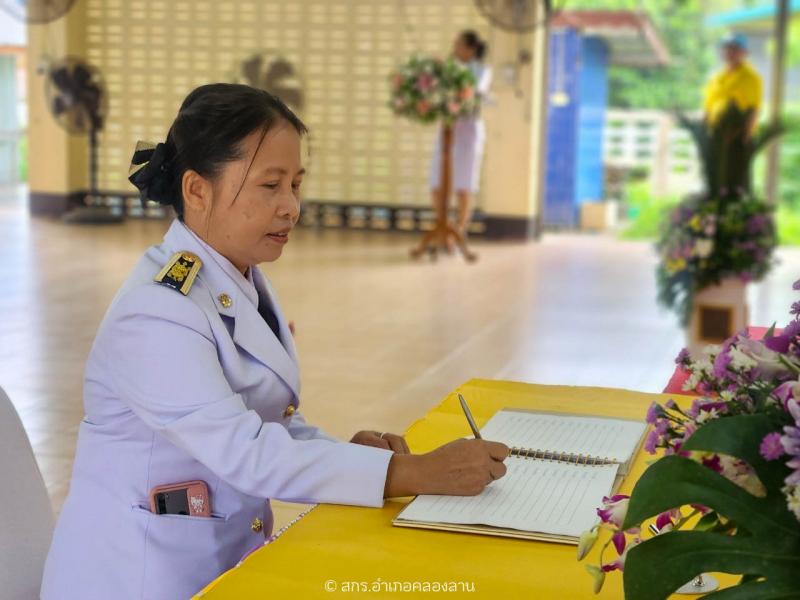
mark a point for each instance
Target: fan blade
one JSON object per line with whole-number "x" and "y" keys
{"x": 61, "y": 78}
{"x": 58, "y": 105}
{"x": 290, "y": 96}
{"x": 278, "y": 70}
{"x": 251, "y": 69}
{"x": 81, "y": 75}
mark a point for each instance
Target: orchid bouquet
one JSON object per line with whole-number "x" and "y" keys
{"x": 429, "y": 90}
{"x": 732, "y": 458}
{"x": 706, "y": 241}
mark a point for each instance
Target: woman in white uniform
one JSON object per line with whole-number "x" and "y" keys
{"x": 193, "y": 377}
{"x": 469, "y": 134}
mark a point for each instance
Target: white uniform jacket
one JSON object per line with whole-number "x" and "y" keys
{"x": 186, "y": 387}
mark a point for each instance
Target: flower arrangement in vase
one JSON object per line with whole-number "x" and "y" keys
{"x": 720, "y": 239}
{"x": 430, "y": 90}
{"x": 726, "y": 492}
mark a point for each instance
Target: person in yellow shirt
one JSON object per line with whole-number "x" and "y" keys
{"x": 731, "y": 105}
{"x": 738, "y": 83}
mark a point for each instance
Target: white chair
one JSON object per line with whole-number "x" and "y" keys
{"x": 26, "y": 516}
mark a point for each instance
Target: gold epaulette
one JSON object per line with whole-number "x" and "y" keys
{"x": 180, "y": 272}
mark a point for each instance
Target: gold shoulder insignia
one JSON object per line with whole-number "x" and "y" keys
{"x": 180, "y": 272}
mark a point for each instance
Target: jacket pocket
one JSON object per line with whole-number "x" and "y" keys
{"x": 215, "y": 516}
{"x": 183, "y": 553}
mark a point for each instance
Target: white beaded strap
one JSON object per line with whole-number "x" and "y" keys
{"x": 281, "y": 531}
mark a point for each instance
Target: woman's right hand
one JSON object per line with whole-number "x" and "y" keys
{"x": 459, "y": 468}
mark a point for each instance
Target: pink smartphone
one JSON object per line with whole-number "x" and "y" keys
{"x": 187, "y": 498}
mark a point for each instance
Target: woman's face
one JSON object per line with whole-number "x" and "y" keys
{"x": 462, "y": 51}
{"x": 255, "y": 226}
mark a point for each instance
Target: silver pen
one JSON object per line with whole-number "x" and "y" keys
{"x": 470, "y": 420}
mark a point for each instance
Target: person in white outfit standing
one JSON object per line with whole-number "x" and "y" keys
{"x": 469, "y": 134}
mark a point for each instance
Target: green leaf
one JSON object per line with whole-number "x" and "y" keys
{"x": 766, "y": 134}
{"x": 657, "y": 567}
{"x": 760, "y": 590}
{"x": 766, "y": 545}
{"x": 675, "y": 481}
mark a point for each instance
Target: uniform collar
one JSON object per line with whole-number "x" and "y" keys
{"x": 236, "y": 296}
{"x": 221, "y": 276}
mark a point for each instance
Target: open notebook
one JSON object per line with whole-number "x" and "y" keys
{"x": 560, "y": 468}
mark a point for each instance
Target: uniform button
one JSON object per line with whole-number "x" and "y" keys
{"x": 289, "y": 411}
{"x": 225, "y": 300}
{"x": 257, "y": 525}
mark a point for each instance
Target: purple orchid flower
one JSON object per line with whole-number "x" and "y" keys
{"x": 618, "y": 539}
{"x": 781, "y": 343}
{"x": 786, "y": 391}
{"x": 614, "y": 509}
{"x": 619, "y": 564}
{"x": 666, "y": 520}
{"x": 712, "y": 462}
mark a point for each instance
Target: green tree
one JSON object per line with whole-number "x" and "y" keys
{"x": 692, "y": 50}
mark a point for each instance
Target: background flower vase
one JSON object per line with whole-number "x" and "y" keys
{"x": 429, "y": 90}
{"x": 714, "y": 242}
{"x": 717, "y": 312}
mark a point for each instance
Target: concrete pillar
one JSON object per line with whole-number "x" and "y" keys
{"x": 778, "y": 77}
{"x": 58, "y": 162}
{"x": 513, "y": 176}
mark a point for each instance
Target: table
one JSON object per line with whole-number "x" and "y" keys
{"x": 335, "y": 546}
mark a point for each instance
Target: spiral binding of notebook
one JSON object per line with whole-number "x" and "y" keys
{"x": 568, "y": 457}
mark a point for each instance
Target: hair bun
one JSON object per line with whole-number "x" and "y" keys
{"x": 149, "y": 172}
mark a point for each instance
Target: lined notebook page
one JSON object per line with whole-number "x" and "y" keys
{"x": 535, "y": 495}
{"x": 615, "y": 439}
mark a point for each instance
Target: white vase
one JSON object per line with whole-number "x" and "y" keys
{"x": 717, "y": 313}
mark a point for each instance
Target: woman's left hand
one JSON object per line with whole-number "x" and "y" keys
{"x": 389, "y": 441}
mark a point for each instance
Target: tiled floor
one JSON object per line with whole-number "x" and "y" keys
{"x": 381, "y": 339}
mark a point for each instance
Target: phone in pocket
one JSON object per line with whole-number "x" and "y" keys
{"x": 187, "y": 498}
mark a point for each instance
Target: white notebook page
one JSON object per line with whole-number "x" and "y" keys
{"x": 615, "y": 439}
{"x": 535, "y": 495}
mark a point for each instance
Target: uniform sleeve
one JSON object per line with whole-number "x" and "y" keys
{"x": 163, "y": 363}
{"x": 300, "y": 430}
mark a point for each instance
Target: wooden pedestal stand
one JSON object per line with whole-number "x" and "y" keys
{"x": 443, "y": 231}
{"x": 718, "y": 312}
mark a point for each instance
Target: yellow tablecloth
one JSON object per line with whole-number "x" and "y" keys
{"x": 342, "y": 551}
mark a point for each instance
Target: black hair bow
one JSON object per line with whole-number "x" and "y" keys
{"x": 149, "y": 172}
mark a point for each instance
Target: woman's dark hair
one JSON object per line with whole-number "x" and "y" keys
{"x": 474, "y": 42}
{"x": 208, "y": 131}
